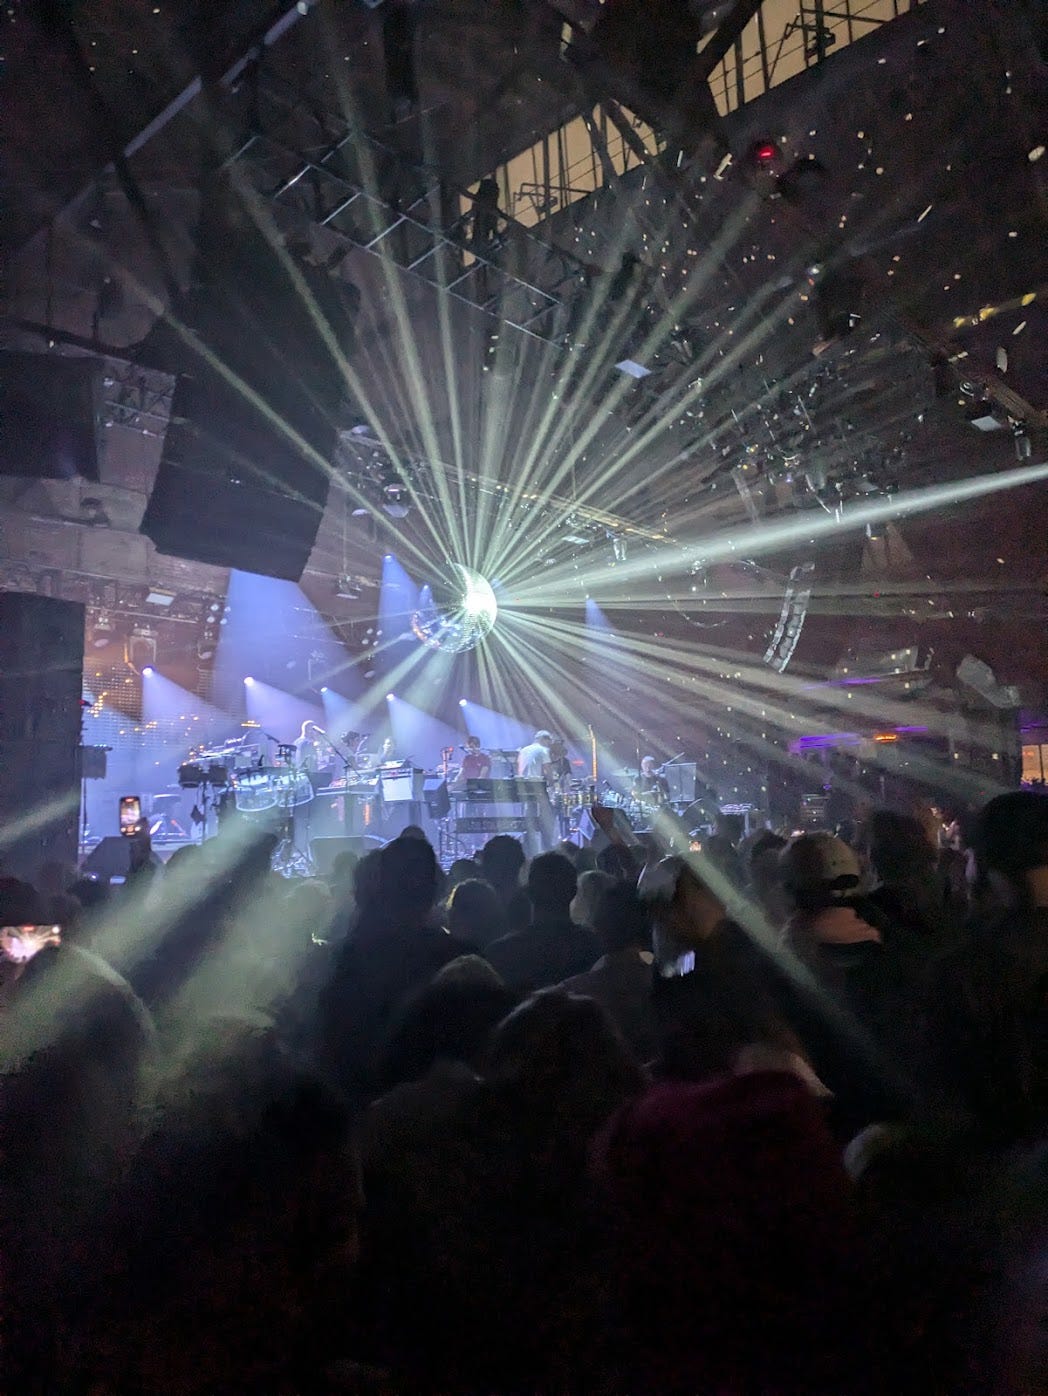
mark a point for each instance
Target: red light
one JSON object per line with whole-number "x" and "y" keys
{"x": 766, "y": 151}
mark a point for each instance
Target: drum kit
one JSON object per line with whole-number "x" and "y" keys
{"x": 626, "y": 791}
{"x": 234, "y": 776}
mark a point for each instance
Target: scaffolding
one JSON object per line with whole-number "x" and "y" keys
{"x": 340, "y": 178}
{"x": 778, "y": 43}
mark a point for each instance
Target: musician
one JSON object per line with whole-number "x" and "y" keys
{"x": 558, "y": 783}
{"x": 307, "y": 749}
{"x": 476, "y": 764}
{"x": 558, "y": 768}
{"x": 533, "y": 759}
{"x": 652, "y": 787}
{"x": 387, "y": 754}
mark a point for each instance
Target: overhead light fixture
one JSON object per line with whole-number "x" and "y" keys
{"x": 395, "y": 500}
{"x": 632, "y": 369}
{"x": 765, "y": 153}
{"x": 140, "y": 649}
{"x": 102, "y": 632}
{"x": 984, "y": 417}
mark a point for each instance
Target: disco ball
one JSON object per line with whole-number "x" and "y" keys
{"x": 456, "y": 612}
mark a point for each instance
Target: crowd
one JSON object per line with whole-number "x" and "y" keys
{"x": 760, "y": 1119}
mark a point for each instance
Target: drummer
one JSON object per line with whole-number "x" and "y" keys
{"x": 652, "y": 787}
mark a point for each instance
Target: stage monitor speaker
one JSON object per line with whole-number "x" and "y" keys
{"x": 435, "y": 794}
{"x": 50, "y": 415}
{"x": 326, "y": 850}
{"x": 41, "y": 682}
{"x": 108, "y": 859}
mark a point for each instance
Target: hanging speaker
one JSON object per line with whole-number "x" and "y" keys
{"x": 50, "y": 415}
{"x": 247, "y": 461}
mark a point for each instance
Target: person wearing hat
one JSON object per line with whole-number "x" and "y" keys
{"x": 720, "y": 993}
{"x": 837, "y": 935}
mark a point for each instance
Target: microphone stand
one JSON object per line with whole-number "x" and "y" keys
{"x": 348, "y": 764}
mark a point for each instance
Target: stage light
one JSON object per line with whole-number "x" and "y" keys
{"x": 462, "y": 702}
{"x": 148, "y": 671}
{"x": 323, "y": 688}
{"x": 248, "y": 681}
{"x": 395, "y": 500}
{"x": 765, "y": 153}
{"x": 390, "y": 697}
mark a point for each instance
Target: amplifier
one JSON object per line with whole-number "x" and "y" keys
{"x": 491, "y": 824}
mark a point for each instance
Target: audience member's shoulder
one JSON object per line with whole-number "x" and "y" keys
{"x": 506, "y": 948}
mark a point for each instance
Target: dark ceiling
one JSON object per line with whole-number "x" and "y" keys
{"x": 907, "y": 177}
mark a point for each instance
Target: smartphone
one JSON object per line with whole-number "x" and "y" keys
{"x": 20, "y": 943}
{"x": 130, "y": 815}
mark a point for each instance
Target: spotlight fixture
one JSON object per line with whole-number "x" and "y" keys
{"x": 323, "y": 688}
{"x": 390, "y": 697}
{"x": 462, "y": 702}
{"x": 102, "y": 631}
{"x": 140, "y": 648}
{"x": 248, "y": 681}
{"x": 395, "y": 501}
{"x": 148, "y": 671}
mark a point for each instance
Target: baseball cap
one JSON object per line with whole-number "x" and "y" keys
{"x": 814, "y": 862}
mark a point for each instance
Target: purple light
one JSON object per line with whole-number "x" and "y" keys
{"x": 148, "y": 671}
{"x": 249, "y": 681}
{"x": 818, "y": 742}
